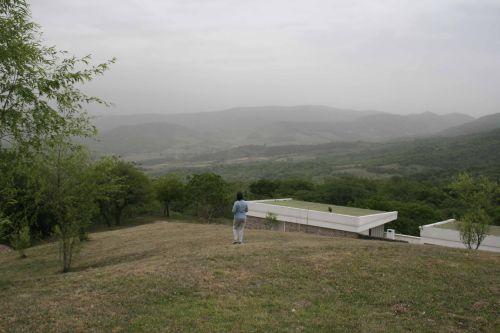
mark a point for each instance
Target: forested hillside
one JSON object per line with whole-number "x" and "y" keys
{"x": 444, "y": 156}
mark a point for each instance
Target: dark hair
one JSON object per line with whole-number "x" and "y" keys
{"x": 239, "y": 196}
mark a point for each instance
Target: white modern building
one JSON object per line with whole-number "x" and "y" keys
{"x": 294, "y": 215}
{"x": 445, "y": 233}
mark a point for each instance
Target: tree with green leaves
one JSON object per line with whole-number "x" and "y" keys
{"x": 209, "y": 193}
{"x": 265, "y": 188}
{"x": 130, "y": 188}
{"x": 40, "y": 104}
{"x": 69, "y": 192}
{"x": 19, "y": 236}
{"x": 476, "y": 196}
{"x": 169, "y": 188}
{"x": 18, "y": 199}
{"x": 110, "y": 187}
{"x": 39, "y": 85}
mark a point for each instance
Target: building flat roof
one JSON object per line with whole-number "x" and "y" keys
{"x": 453, "y": 225}
{"x": 321, "y": 207}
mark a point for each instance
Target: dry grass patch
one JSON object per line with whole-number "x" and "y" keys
{"x": 174, "y": 277}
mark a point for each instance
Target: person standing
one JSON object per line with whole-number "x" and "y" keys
{"x": 240, "y": 209}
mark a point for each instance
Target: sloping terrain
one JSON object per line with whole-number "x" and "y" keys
{"x": 141, "y": 137}
{"x": 152, "y": 139}
{"x": 474, "y": 153}
{"x": 238, "y": 116}
{"x": 184, "y": 277}
{"x": 483, "y": 124}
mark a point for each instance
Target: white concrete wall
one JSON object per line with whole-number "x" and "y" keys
{"x": 407, "y": 238}
{"x": 431, "y": 234}
{"x": 357, "y": 224}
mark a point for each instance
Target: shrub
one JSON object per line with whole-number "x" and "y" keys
{"x": 271, "y": 220}
{"x": 21, "y": 240}
{"x": 473, "y": 228}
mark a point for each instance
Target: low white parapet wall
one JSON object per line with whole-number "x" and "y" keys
{"x": 432, "y": 234}
{"x": 404, "y": 238}
{"x": 356, "y": 224}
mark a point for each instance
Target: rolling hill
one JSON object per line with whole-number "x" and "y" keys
{"x": 142, "y": 137}
{"x": 187, "y": 277}
{"x": 152, "y": 139}
{"x": 482, "y": 124}
{"x": 239, "y": 117}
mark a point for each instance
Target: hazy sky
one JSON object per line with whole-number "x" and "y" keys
{"x": 400, "y": 56}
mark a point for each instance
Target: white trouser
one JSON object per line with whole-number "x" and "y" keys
{"x": 238, "y": 228}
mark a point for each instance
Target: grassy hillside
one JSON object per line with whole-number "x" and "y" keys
{"x": 182, "y": 277}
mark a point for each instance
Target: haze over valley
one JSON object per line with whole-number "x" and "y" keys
{"x": 161, "y": 142}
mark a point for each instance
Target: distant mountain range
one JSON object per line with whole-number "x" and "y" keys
{"x": 237, "y": 118}
{"x": 150, "y": 136}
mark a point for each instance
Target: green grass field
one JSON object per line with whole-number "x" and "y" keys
{"x": 186, "y": 277}
{"x": 324, "y": 207}
{"x": 493, "y": 230}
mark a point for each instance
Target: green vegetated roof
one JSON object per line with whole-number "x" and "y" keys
{"x": 321, "y": 207}
{"x": 494, "y": 230}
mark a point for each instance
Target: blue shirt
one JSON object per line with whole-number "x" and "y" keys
{"x": 240, "y": 209}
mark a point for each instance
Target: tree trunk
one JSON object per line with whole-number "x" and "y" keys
{"x": 118, "y": 215}
{"x": 105, "y": 214}
{"x": 65, "y": 254}
{"x": 167, "y": 207}
{"x": 107, "y": 220}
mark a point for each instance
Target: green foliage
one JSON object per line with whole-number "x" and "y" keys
{"x": 411, "y": 215}
{"x": 435, "y": 158}
{"x": 209, "y": 194}
{"x": 478, "y": 196}
{"x": 42, "y": 109}
{"x": 21, "y": 240}
{"x": 264, "y": 188}
{"x": 475, "y": 192}
{"x": 271, "y": 188}
{"x": 39, "y": 85}
{"x": 342, "y": 191}
{"x": 4, "y": 228}
{"x": 121, "y": 187}
{"x": 69, "y": 192}
{"x": 169, "y": 188}
{"x": 19, "y": 195}
{"x": 271, "y": 220}
{"x": 473, "y": 227}
{"x": 109, "y": 187}
{"x": 17, "y": 235}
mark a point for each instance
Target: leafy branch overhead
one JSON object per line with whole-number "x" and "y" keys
{"x": 39, "y": 85}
